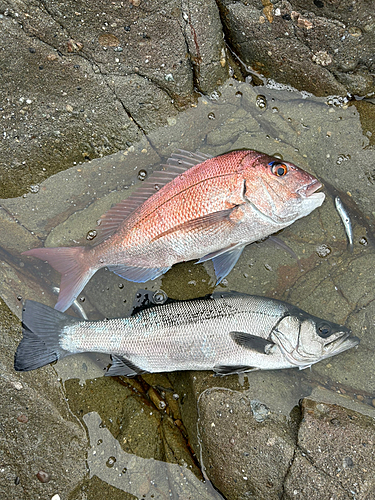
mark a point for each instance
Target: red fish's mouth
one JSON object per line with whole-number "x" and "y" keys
{"x": 310, "y": 189}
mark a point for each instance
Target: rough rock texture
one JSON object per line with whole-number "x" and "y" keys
{"x": 259, "y": 442}
{"x": 86, "y": 79}
{"x": 323, "y": 47}
{"x": 335, "y": 454}
{"x": 81, "y": 79}
{"x": 37, "y": 430}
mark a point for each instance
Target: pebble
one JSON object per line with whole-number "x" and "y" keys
{"x": 43, "y": 477}
{"x": 23, "y": 419}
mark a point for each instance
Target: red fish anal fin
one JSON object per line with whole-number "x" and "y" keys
{"x": 74, "y": 266}
{"x": 216, "y": 220}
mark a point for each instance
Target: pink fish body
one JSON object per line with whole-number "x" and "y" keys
{"x": 192, "y": 209}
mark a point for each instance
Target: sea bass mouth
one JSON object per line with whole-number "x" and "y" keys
{"x": 310, "y": 189}
{"x": 343, "y": 343}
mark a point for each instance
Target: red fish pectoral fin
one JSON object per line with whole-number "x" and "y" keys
{"x": 176, "y": 165}
{"x": 215, "y": 222}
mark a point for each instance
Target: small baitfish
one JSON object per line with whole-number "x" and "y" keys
{"x": 343, "y": 213}
{"x": 197, "y": 207}
{"x": 227, "y": 333}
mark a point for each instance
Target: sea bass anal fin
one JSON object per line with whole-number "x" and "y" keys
{"x": 232, "y": 369}
{"x": 138, "y": 274}
{"x": 252, "y": 342}
{"x": 124, "y": 367}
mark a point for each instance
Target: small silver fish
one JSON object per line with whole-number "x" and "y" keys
{"x": 227, "y": 333}
{"x": 345, "y": 220}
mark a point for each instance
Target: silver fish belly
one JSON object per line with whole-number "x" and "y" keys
{"x": 345, "y": 220}
{"x": 228, "y": 333}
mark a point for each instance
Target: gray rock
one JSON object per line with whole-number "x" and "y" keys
{"x": 206, "y": 43}
{"x": 323, "y": 50}
{"x": 335, "y": 455}
{"x": 37, "y": 430}
{"x": 259, "y": 442}
{"x": 306, "y": 481}
{"x": 69, "y": 66}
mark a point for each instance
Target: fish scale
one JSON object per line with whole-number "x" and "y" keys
{"x": 200, "y": 210}
{"x": 227, "y": 334}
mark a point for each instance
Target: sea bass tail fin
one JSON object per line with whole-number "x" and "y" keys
{"x": 40, "y": 345}
{"x": 73, "y": 265}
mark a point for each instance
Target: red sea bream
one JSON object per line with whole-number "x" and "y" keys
{"x": 197, "y": 207}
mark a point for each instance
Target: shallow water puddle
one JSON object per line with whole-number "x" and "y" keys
{"x": 143, "y": 477}
{"x": 328, "y": 281}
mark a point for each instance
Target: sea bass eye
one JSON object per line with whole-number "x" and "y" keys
{"x": 278, "y": 168}
{"x": 324, "y": 330}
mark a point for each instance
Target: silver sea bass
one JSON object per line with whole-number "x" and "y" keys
{"x": 227, "y": 333}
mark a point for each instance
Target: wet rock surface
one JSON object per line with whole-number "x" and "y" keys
{"x": 42, "y": 445}
{"x": 321, "y": 447}
{"x": 68, "y": 66}
{"x": 259, "y": 442}
{"x": 335, "y": 451}
{"x": 81, "y": 80}
{"x": 323, "y": 48}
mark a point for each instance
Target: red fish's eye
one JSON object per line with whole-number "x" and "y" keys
{"x": 278, "y": 169}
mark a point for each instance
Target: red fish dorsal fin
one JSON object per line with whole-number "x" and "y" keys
{"x": 177, "y": 164}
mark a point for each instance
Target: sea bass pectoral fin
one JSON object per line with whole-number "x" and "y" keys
{"x": 124, "y": 367}
{"x": 40, "y": 345}
{"x": 138, "y": 274}
{"x": 232, "y": 369}
{"x": 74, "y": 269}
{"x": 253, "y": 342}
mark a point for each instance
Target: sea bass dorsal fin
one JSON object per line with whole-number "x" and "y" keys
{"x": 252, "y": 342}
{"x": 147, "y": 299}
{"x": 177, "y": 164}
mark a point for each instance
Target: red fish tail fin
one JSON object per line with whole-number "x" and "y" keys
{"x": 73, "y": 264}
